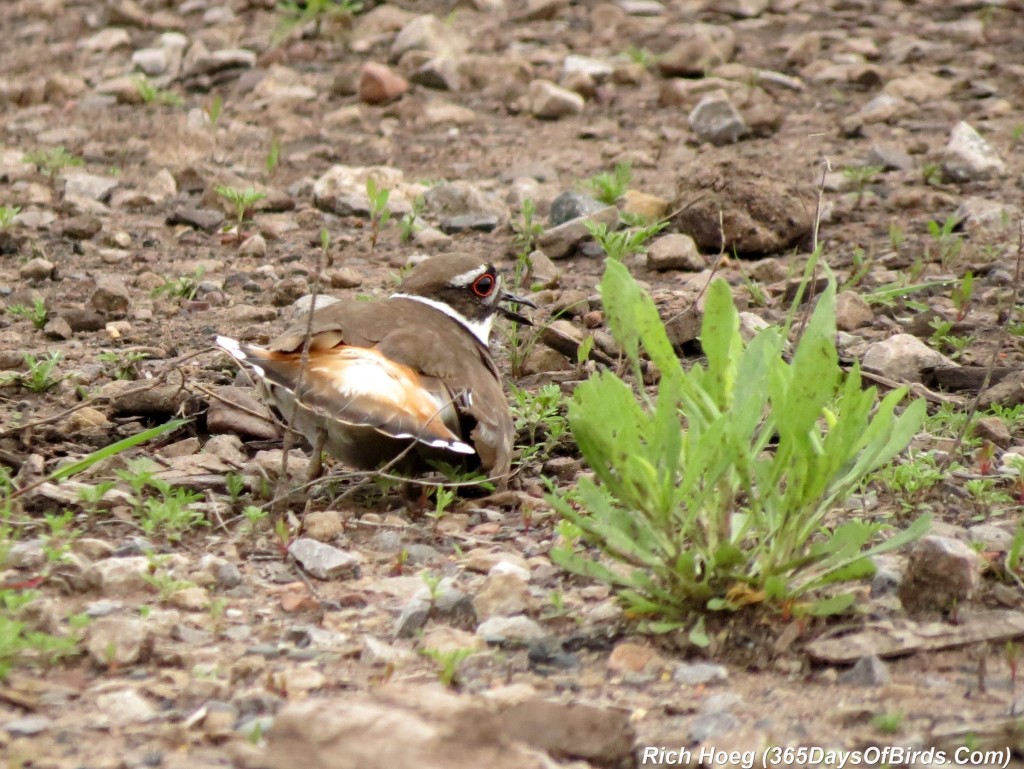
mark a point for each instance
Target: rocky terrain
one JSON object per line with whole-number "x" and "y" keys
{"x": 174, "y": 170}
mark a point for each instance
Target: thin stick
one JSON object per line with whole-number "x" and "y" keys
{"x": 1000, "y": 341}
{"x": 303, "y": 364}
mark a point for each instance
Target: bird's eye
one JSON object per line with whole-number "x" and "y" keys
{"x": 483, "y": 286}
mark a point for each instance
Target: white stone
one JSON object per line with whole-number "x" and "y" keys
{"x": 968, "y": 157}
{"x": 716, "y": 120}
{"x": 902, "y": 357}
{"x": 551, "y": 102}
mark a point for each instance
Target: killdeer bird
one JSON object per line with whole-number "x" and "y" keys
{"x": 410, "y": 370}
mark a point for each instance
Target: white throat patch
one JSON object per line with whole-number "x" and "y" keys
{"x": 481, "y": 329}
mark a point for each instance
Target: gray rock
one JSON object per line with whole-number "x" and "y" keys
{"x": 25, "y": 554}
{"x": 114, "y": 576}
{"x": 716, "y": 120}
{"x": 704, "y": 47}
{"x": 79, "y": 184}
{"x": 254, "y": 245}
{"x": 558, "y": 242}
{"x": 114, "y": 641}
{"x": 852, "y": 311}
{"x": 465, "y": 202}
{"x": 757, "y": 212}
{"x": 29, "y": 726}
{"x": 36, "y": 269}
{"x": 890, "y": 158}
{"x": 993, "y": 429}
{"x": 205, "y": 219}
{"x": 992, "y": 536}
{"x": 551, "y": 102}
{"x": 125, "y": 707}
{"x": 426, "y": 727}
{"x": 942, "y": 574}
{"x": 81, "y": 227}
{"x": 470, "y": 223}
{"x": 413, "y": 618}
{"x": 742, "y": 9}
{"x": 598, "y": 69}
{"x": 235, "y": 410}
{"x": 699, "y": 673}
{"x": 502, "y": 630}
{"x": 990, "y": 216}
{"x": 710, "y": 725}
{"x": 227, "y": 574}
{"x": 58, "y": 328}
{"x": 110, "y": 297}
{"x": 428, "y": 33}
{"x": 599, "y": 735}
{"x": 902, "y": 357}
{"x": 968, "y": 157}
{"x": 324, "y": 561}
{"x": 868, "y": 671}
{"x": 675, "y": 252}
{"x": 441, "y": 73}
{"x": 219, "y": 61}
{"x": 571, "y": 205}
{"x": 503, "y": 595}
{"x": 151, "y": 61}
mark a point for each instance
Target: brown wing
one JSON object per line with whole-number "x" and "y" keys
{"x": 359, "y": 386}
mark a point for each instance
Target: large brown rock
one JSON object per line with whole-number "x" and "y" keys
{"x": 721, "y": 195}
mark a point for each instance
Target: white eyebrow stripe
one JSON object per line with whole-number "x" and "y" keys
{"x": 466, "y": 278}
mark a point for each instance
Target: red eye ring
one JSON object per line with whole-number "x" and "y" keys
{"x": 484, "y": 285}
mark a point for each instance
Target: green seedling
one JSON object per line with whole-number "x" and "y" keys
{"x": 273, "y": 156}
{"x": 254, "y": 517}
{"x": 150, "y": 94}
{"x": 540, "y": 421}
{"x": 931, "y": 173}
{"x": 443, "y": 498}
{"x": 896, "y": 236}
{"x": 91, "y": 497}
{"x": 889, "y": 722}
{"x": 715, "y": 491}
{"x": 183, "y": 287}
{"x": 235, "y": 484}
{"x": 40, "y": 376}
{"x": 448, "y": 663}
{"x": 7, "y": 214}
{"x": 123, "y": 365}
{"x": 962, "y": 294}
{"x": 946, "y": 243}
{"x": 214, "y": 110}
{"x": 243, "y": 201}
{"x": 380, "y": 214}
{"x": 410, "y": 224}
{"x": 619, "y": 244}
{"x": 298, "y": 13}
{"x": 20, "y": 644}
{"x": 860, "y": 178}
{"x": 526, "y": 232}
{"x": 52, "y": 161}
{"x": 609, "y": 187}
{"x": 641, "y": 56}
{"x": 37, "y": 313}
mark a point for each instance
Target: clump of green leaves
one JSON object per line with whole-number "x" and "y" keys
{"x": 618, "y": 244}
{"x": 859, "y": 178}
{"x": 160, "y": 507}
{"x": 7, "y": 214}
{"x": 410, "y": 224}
{"x": 299, "y": 13}
{"x": 273, "y": 159}
{"x": 609, "y": 187}
{"x": 380, "y": 214}
{"x": 37, "y": 313}
{"x": 40, "y": 376}
{"x": 20, "y": 644}
{"x": 732, "y": 508}
{"x": 184, "y": 286}
{"x": 448, "y": 662}
{"x": 243, "y": 201}
{"x": 151, "y": 94}
{"x": 946, "y": 243}
{"x": 123, "y": 364}
{"x": 540, "y": 421}
{"x": 52, "y": 161}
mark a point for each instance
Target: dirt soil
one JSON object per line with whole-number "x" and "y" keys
{"x": 195, "y": 644}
